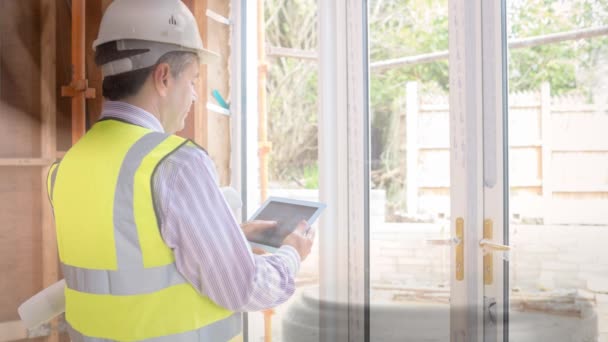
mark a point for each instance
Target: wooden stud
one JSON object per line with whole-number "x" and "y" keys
{"x": 26, "y": 161}
{"x": 78, "y": 69}
{"x": 48, "y": 141}
{"x": 200, "y": 114}
{"x": 48, "y": 129}
{"x": 12, "y": 331}
{"x": 211, "y": 130}
{"x": 218, "y": 76}
{"x": 94, "y": 12}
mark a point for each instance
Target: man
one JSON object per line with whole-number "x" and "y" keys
{"x": 149, "y": 248}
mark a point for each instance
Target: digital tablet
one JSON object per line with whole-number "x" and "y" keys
{"x": 288, "y": 213}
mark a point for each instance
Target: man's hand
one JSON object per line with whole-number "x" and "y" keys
{"x": 301, "y": 239}
{"x": 252, "y": 228}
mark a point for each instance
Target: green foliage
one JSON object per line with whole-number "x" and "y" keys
{"x": 564, "y": 65}
{"x": 311, "y": 177}
{"x": 406, "y": 28}
{"x": 400, "y": 28}
{"x": 291, "y": 89}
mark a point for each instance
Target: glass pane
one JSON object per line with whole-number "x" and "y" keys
{"x": 558, "y": 176}
{"x": 292, "y": 111}
{"x": 410, "y": 178}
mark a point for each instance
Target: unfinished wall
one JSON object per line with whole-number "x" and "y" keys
{"x": 20, "y": 90}
{"x": 20, "y": 186}
{"x": 63, "y": 77}
{"x": 218, "y": 76}
{"x": 208, "y": 128}
{"x": 35, "y": 129}
{"x": 20, "y": 155}
{"x": 552, "y": 260}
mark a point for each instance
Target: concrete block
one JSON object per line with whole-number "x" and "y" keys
{"x": 386, "y": 261}
{"x": 414, "y": 262}
{"x": 530, "y": 248}
{"x": 601, "y": 299}
{"x": 546, "y": 281}
{"x": 568, "y": 281}
{"x": 409, "y": 252}
{"x": 602, "y": 311}
{"x": 428, "y": 254}
{"x": 598, "y": 283}
{"x": 401, "y": 277}
{"x": 383, "y": 269}
{"x": 526, "y": 275}
{"x": 390, "y": 244}
{"x": 579, "y": 257}
{"x": 593, "y": 270}
{"x": 378, "y": 239}
{"x": 602, "y": 307}
{"x": 584, "y": 294}
{"x": 559, "y": 266}
{"x": 391, "y": 252}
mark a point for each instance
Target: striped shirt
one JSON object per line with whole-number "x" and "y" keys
{"x": 210, "y": 249}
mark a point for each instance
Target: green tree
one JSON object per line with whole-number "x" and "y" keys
{"x": 292, "y": 90}
{"x": 560, "y": 64}
{"x": 400, "y": 28}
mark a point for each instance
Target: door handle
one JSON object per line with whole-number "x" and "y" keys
{"x": 488, "y": 247}
{"x": 457, "y": 241}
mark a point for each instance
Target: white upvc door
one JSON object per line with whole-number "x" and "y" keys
{"x": 477, "y": 167}
{"x": 478, "y": 284}
{"x": 479, "y": 299}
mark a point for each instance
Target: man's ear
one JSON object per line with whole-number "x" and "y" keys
{"x": 161, "y": 78}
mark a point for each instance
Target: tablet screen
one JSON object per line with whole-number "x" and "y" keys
{"x": 287, "y": 216}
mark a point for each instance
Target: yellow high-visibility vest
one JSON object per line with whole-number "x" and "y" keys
{"x": 122, "y": 282}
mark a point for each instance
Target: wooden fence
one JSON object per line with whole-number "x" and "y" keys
{"x": 558, "y": 156}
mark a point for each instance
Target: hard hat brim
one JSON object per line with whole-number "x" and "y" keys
{"x": 208, "y": 57}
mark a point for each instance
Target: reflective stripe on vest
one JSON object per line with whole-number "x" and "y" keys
{"x": 122, "y": 282}
{"x": 222, "y": 330}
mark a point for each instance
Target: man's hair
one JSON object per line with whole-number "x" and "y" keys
{"x": 118, "y": 87}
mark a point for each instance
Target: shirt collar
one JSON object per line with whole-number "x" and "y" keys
{"x": 131, "y": 114}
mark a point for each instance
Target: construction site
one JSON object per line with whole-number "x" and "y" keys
{"x": 453, "y": 153}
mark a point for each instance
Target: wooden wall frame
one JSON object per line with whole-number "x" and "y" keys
{"x": 207, "y": 128}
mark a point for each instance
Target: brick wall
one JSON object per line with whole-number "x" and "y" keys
{"x": 545, "y": 258}
{"x": 553, "y": 259}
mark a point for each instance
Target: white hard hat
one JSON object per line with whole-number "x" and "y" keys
{"x": 159, "y": 26}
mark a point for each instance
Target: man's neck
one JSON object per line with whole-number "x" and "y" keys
{"x": 145, "y": 105}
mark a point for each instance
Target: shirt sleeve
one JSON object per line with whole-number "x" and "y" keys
{"x": 210, "y": 248}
